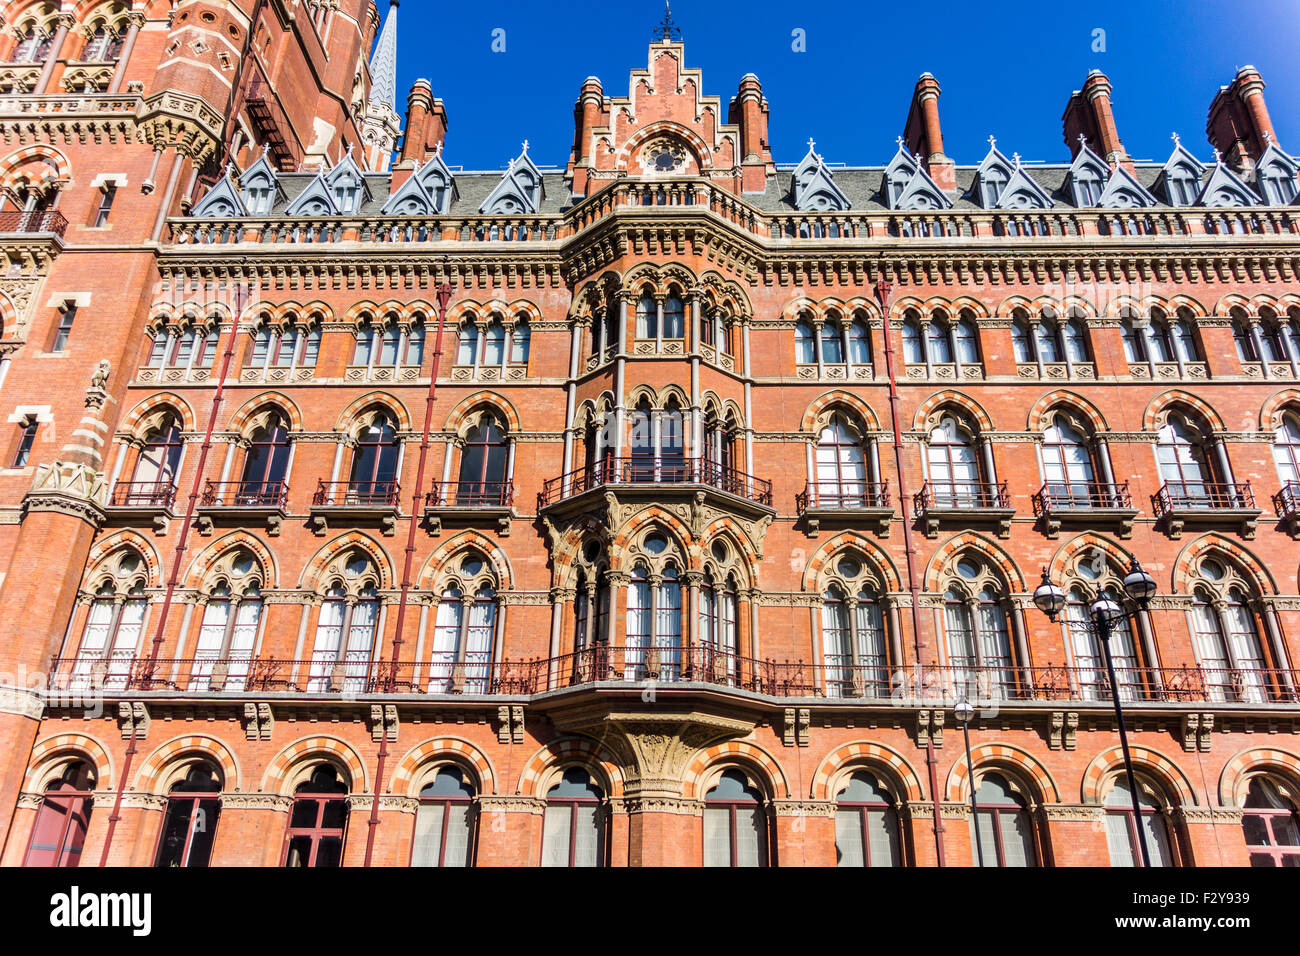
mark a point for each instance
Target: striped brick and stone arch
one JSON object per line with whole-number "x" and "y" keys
{"x": 1243, "y": 567}
{"x": 319, "y": 571}
{"x": 295, "y": 314}
{"x": 905, "y": 304}
{"x": 545, "y": 767}
{"x": 1235, "y": 300}
{"x": 1108, "y": 766}
{"x": 727, "y": 295}
{"x": 819, "y": 412}
{"x": 374, "y": 313}
{"x": 879, "y": 565}
{"x": 670, "y": 131}
{"x": 253, "y": 413}
{"x": 354, "y": 417}
{"x": 660, "y": 399}
{"x": 803, "y": 307}
{"x": 294, "y": 764}
{"x": 594, "y": 296}
{"x": 52, "y": 754}
{"x": 421, "y": 762}
{"x": 708, "y": 765}
{"x": 9, "y": 325}
{"x": 145, "y": 416}
{"x": 1074, "y": 405}
{"x": 441, "y": 563}
{"x": 660, "y": 279}
{"x": 40, "y": 168}
{"x": 841, "y": 763}
{"x": 1018, "y": 765}
{"x": 104, "y": 565}
{"x": 1008, "y": 306}
{"x": 1270, "y": 416}
{"x": 1065, "y": 562}
{"x": 210, "y": 560}
{"x": 1158, "y": 409}
{"x": 938, "y": 573}
{"x": 969, "y": 304}
{"x": 933, "y": 408}
{"x": 1235, "y": 779}
{"x": 625, "y": 547}
{"x": 568, "y": 562}
{"x": 465, "y": 415}
{"x": 169, "y": 762}
{"x": 744, "y": 557}
{"x": 1181, "y": 301}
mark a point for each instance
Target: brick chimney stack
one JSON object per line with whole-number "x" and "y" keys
{"x": 1089, "y": 112}
{"x": 749, "y": 110}
{"x": 426, "y": 123}
{"x": 589, "y": 113}
{"x": 1238, "y": 125}
{"x": 924, "y": 135}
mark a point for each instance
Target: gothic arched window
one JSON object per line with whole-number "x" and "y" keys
{"x": 1121, "y": 827}
{"x": 840, "y": 480}
{"x": 60, "y": 829}
{"x": 1286, "y": 448}
{"x": 446, "y": 822}
{"x": 190, "y": 822}
{"x": 575, "y": 825}
{"x": 374, "y": 463}
{"x": 867, "y": 830}
{"x": 1003, "y": 825}
{"x": 484, "y": 464}
{"x": 1068, "y": 467}
{"x": 735, "y": 823}
{"x": 1271, "y": 824}
{"x": 954, "y": 475}
{"x": 318, "y": 820}
{"x": 266, "y": 464}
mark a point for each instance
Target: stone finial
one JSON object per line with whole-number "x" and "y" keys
{"x": 993, "y": 142}
{"x": 1176, "y": 138}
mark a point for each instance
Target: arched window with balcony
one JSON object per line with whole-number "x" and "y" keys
{"x": 63, "y": 818}
{"x": 465, "y": 634}
{"x": 1286, "y": 449}
{"x": 856, "y": 653}
{"x": 1086, "y": 652}
{"x": 735, "y": 822}
{"x": 318, "y": 820}
{"x": 347, "y": 625}
{"x": 34, "y": 42}
{"x": 980, "y": 661}
{"x": 841, "y": 474}
{"x": 717, "y": 617}
{"x": 590, "y": 607}
{"x": 446, "y": 821}
{"x": 1004, "y": 824}
{"x": 372, "y": 478}
{"x": 159, "y": 461}
{"x": 190, "y": 820}
{"x": 654, "y": 610}
{"x": 484, "y": 475}
{"x": 1122, "y": 826}
{"x": 229, "y": 630}
{"x": 1270, "y": 822}
{"x": 266, "y": 464}
{"x": 867, "y": 828}
{"x": 575, "y": 825}
{"x": 1074, "y": 473}
{"x": 720, "y": 436}
{"x": 114, "y": 623}
{"x": 1226, "y": 636}
{"x": 955, "y": 476}
{"x": 1188, "y": 457}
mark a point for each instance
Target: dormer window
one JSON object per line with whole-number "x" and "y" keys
{"x": 1277, "y": 184}
{"x": 1087, "y": 187}
{"x": 1182, "y": 186}
{"x": 992, "y": 182}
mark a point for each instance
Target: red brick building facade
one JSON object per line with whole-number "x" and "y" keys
{"x": 654, "y": 509}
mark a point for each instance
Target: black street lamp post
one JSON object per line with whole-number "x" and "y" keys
{"x": 964, "y": 711}
{"x": 1104, "y": 612}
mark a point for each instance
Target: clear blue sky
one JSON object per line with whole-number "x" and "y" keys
{"x": 1006, "y": 68}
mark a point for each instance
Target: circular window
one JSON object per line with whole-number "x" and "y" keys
{"x": 472, "y": 565}
{"x": 1212, "y": 569}
{"x": 1089, "y": 570}
{"x": 968, "y": 569}
{"x": 129, "y": 563}
{"x": 655, "y": 543}
{"x": 719, "y": 551}
{"x": 356, "y": 564}
{"x": 243, "y": 563}
{"x": 849, "y": 566}
{"x": 591, "y": 551}
{"x": 664, "y": 157}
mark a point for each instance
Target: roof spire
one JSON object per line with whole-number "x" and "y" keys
{"x": 667, "y": 30}
{"x": 383, "y": 65}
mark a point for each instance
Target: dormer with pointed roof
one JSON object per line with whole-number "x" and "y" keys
{"x": 1225, "y": 188}
{"x": 429, "y": 192}
{"x": 1087, "y": 176}
{"x": 519, "y": 191}
{"x": 1123, "y": 191}
{"x": 898, "y": 173}
{"x": 1180, "y": 179}
{"x": 340, "y": 191}
{"x": 259, "y": 187}
{"x": 812, "y": 187}
{"x": 992, "y": 176}
{"x": 1022, "y": 192}
{"x": 1274, "y": 176}
{"x": 223, "y": 201}
{"x": 922, "y": 192}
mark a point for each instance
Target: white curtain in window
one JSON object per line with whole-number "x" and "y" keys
{"x": 717, "y": 836}
{"x": 446, "y": 640}
{"x": 243, "y": 639}
{"x": 361, "y": 639}
{"x": 555, "y": 835}
{"x": 638, "y": 628}
{"x": 329, "y": 634}
{"x": 212, "y": 633}
{"x": 126, "y": 642}
{"x": 478, "y": 643}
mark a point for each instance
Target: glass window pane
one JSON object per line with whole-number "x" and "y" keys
{"x": 428, "y": 834}
{"x": 555, "y": 836}
{"x": 717, "y": 836}
{"x": 848, "y": 838}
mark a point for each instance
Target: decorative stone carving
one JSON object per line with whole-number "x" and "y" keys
{"x": 21, "y": 702}
{"x": 797, "y": 724}
{"x": 258, "y": 720}
{"x": 383, "y": 722}
{"x": 69, "y": 488}
{"x": 133, "y": 719}
{"x": 510, "y": 724}
{"x": 1197, "y": 728}
{"x": 929, "y": 727}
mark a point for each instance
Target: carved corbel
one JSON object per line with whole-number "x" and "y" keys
{"x": 383, "y": 722}
{"x": 133, "y": 719}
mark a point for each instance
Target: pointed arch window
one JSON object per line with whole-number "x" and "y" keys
{"x": 647, "y": 318}
{"x": 63, "y": 818}
{"x": 1004, "y": 825}
{"x": 494, "y": 343}
{"x": 832, "y": 343}
{"x": 1183, "y": 184}
{"x": 1228, "y": 647}
{"x": 318, "y": 821}
{"x": 1271, "y": 824}
{"x": 190, "y": 822}
{"x": 854, "y": 649}
{"x": 805, "y": 343}
{"x": 1278, "y": 184}
{"x": 484, "y": 464}
{"x": 374, "y": 464}
{"x": 104, "y": 45}
{"x": 575, "y": 825}
{"x": 446, "y": 823}
{"x": 1068, "y": 467}
{"x": 938, "y": 343}
{"x": 992, "y": 181}
{"x": 591, "y": 610}
{"x": 979, "y": 646}
{"x": 841, "y": 466}
{"x": 1121, "y": 827}
{"x": 860, "y": 342}
{"x": 735, "y": 823}
{"x": 111, "y": 638}
{"x": 1088, "y": 654}
{"x": 913, "y": 345}
{"x": 160, "y": 458}
{"x": 467, "y": 346}
{"x": 955, "y": 479}
{"x": 674, "y": 318}
{"x": 228, "y": 634}
{"x": 345, "y": 640}
{"x": 718, "y": 623}
{"x": 1181, "y": 449}
{"x": 266, "y": 465}
{"x": 867, "y": 830}
{"x": 520, "y": 338}
{"x": 33, "y": 45}
{"x": 654, "y": 625}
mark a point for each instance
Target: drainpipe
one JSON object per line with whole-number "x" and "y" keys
{"x": 444, "y": 296}
{"x": 883, "y": 289}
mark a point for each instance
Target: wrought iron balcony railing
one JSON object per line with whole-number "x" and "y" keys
{"x": 143, "y": 494}
{"x": 656, "y": 471}
{"x": 964, "y": 495}
{"x": 1202, "y": 495}
{"x": 245, "y": 494}
{"x": 51, "y": 221}
{"x": 470, "y": 494}
{"x": 1078, "y": 496}
{"x": 356, "y": 494}
{"x": 1287, "y": 501}
{"x": 843, "y": 495}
